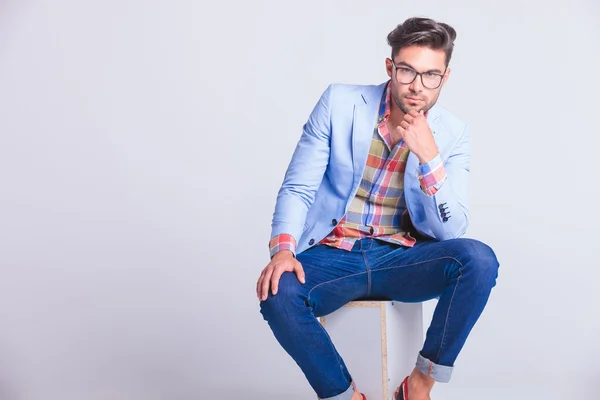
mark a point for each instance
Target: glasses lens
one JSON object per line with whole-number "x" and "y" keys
{"x": 431, "y": 81}
{"x": 405, "y": 75}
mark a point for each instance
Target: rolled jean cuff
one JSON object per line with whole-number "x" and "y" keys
{"x": 347, "y": 395}
{"x": 439, "y": 373}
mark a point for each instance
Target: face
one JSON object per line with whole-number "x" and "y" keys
{"x": 415, "y": 95}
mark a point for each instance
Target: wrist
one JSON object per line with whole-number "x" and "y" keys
{"x": 427, "y": 157}
{"x": 284, "y": 254}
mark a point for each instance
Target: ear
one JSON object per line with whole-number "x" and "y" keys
{"x": 446, "y": 76}
{"x": 389, "y": 67}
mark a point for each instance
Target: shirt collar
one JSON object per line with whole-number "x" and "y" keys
{"x": 384, "y": 108}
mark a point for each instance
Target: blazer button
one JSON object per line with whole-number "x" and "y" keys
{"x": 441, "y": 206}
{"x": 334, "y": 221}
{"x": 311, "y": 242}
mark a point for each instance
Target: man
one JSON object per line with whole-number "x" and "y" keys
{"x": 373, "y": 206}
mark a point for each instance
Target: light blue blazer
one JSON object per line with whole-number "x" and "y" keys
{"x": 328, "y": 163}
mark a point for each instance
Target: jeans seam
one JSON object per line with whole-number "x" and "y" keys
{"x": 420, "y": 262}
{"x": 368, "y": 272}
{"x": 337, "y": 357}
{"x": 333, "y": 280}
{"x": 448, "y": 315}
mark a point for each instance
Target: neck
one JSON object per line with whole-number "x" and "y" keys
{"x": 396, "y": 115}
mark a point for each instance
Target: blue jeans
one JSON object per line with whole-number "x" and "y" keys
{"x": 459, "y": 272}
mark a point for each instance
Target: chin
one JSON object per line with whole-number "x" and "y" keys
{"x": 410, "y": 107}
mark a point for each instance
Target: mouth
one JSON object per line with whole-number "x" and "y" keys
{"x": 413, "y": 99}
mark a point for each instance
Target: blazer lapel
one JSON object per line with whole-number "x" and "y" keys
{"x": 433, "y": 121}
{"x": 365, "y": 116}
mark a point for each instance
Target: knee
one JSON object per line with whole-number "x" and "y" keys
{"x": 287, "y": 301}
{"x": 480, "y": 261}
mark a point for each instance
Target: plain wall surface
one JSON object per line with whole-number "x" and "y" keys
{"x": 142, "y": 144}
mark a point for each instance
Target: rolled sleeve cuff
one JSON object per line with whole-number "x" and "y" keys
{"x": 432, "y": 175}
{"x": 282, "y": 242}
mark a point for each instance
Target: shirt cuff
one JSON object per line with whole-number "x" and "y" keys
{"x": 282, "y": 242}
{"x": 432, "y": 175}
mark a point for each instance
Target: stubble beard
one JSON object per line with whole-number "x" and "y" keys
{"x": 406, "y": 109}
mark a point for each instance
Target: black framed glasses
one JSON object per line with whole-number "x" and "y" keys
{"x": 406, "y": 76}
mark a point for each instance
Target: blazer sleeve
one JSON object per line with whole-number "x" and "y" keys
{"x": 446, "y": 208}
{"x": 303, "y": 175}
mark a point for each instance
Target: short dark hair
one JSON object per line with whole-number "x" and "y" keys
{"x": 426, "y": 32}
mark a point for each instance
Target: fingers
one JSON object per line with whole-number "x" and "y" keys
{"x": 280, "y": 269}
{"x": 275, "y": 279}
{"x": 264, "y": 289}
{"x": 404, "y": 124}
{"x": 415, "y": 114}
{"x": 300, "y": 273}
{"x": 412, "y": 115}
{"x": 271, "y": 276}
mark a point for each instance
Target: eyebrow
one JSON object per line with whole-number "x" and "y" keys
{"x": 413, "y": 68}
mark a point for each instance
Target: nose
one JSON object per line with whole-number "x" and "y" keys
{"x": 416, "y": 85}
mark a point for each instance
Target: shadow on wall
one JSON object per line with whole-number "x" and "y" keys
{"x": 7, "y": 391}
{"x": 591, "y": 390}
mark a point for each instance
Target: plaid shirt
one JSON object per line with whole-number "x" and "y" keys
{"x": 379, "y": 207}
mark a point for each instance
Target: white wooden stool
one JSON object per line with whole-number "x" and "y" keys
{"x": 379, "y": 342}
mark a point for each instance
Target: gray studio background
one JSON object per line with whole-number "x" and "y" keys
{"x": 142, "y": 144}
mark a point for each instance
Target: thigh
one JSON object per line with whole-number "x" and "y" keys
{"x": 333, "y": 277}
{"x": 423, "y": 272}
